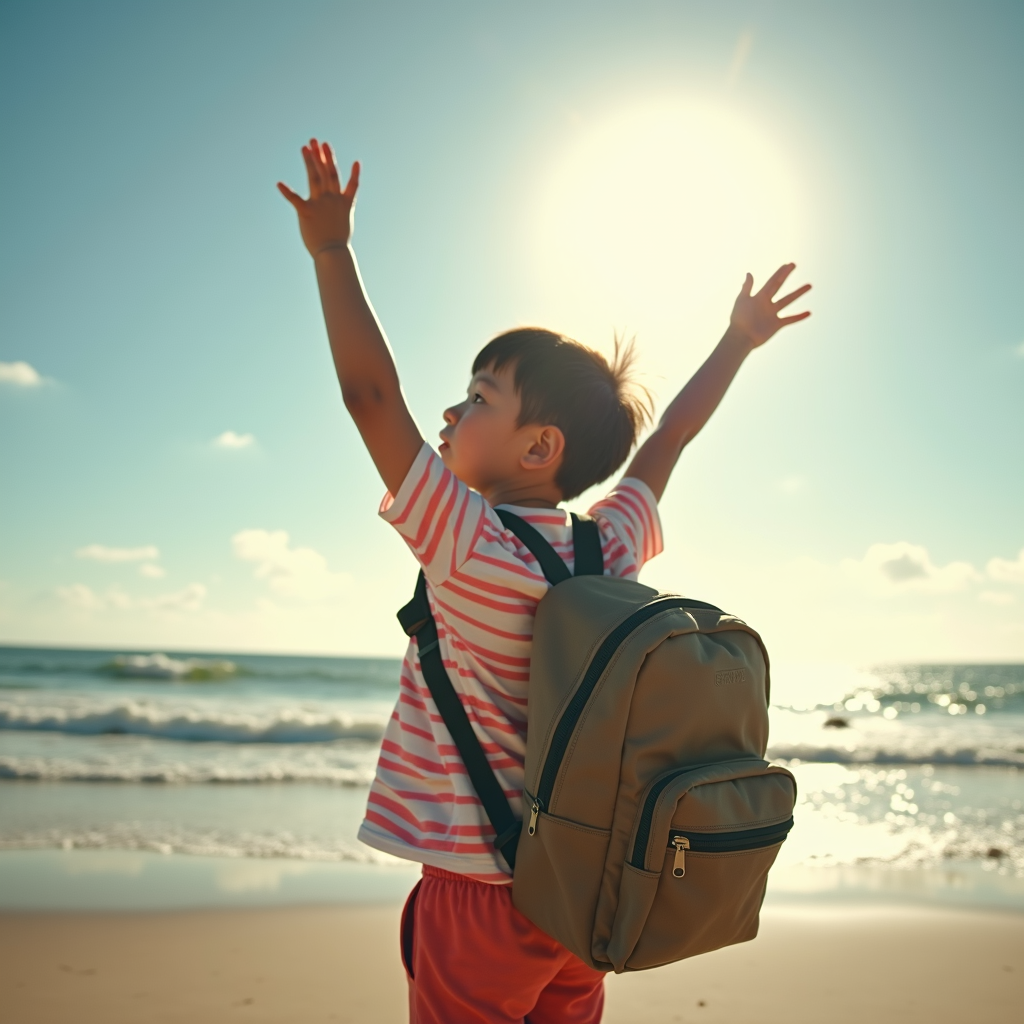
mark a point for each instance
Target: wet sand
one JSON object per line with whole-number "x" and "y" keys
{"x": 810, "y": 964}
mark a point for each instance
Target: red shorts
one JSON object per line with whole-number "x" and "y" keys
{"x": 472, "y": 957}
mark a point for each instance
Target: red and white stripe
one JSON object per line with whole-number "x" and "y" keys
{"x": 484, "y": 587}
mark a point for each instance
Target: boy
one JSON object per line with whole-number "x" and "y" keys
{"x": 544, "y": 419}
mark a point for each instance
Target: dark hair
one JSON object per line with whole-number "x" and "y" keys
{"x": 560, "y": 382}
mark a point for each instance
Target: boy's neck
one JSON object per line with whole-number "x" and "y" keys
{"x": 527, "y": 496}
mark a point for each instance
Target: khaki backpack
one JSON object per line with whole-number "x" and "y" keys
{"x": 652, "y": 818}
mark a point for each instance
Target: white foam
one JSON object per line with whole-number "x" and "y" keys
{"x": 97, "y": 716}
{"x": 160, "y": 838}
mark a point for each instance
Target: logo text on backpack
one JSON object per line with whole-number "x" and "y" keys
{"x": 732, "y": 675}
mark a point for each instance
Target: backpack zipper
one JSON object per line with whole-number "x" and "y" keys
{"x": 721, "y": 842}
{"x": 681, "y": 840}
{"x": 534, "y": 811}
{"x": 704, "y": 842}
{"x": 681, "y": 844}
{"x": 567, "y": 723}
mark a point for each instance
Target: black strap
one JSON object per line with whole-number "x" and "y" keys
{"x": 554, "y": 569}
{"x": 418, "y": 621}
{"x": 586, "y": 542}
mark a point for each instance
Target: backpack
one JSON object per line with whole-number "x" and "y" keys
{"x": 652, "y": 818}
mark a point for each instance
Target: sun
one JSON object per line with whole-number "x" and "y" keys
{"x": 649, "y": 219}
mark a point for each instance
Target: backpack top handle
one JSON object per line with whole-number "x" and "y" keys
{"x": 586, "y": 542}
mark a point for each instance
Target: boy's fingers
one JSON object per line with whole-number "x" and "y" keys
{"x": 320, "y": 158}
{"x": 748, "y": 284}
{"x": 353, "y": 181}
{"x": 331, "y": 165}
{"x": 793, "y": 319}
{"x": 293, "y": 197}
{"x": 774, "y": 283}
{"x": 312, "y": 172}
{"x": 792, "y": 297}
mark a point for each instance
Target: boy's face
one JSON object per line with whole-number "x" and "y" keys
{"x": 482, "y": 443}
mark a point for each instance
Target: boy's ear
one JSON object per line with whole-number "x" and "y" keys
{"x": 546, "y": 449}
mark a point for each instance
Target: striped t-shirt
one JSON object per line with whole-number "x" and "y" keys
{"x": 484, "y": 587}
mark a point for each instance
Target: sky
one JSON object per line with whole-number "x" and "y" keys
{"x": 177, "y": 470}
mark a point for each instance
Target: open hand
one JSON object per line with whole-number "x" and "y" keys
{"x": 326, "y": 217}
{"x": 756, "y": 317}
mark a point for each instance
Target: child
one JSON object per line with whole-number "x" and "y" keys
{"x": 544, "y": 419}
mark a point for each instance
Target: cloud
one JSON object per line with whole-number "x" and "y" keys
{"x": 902, "y": 566}
{"x": 188, "y": 599}
{"x": 20, "y": 374}
{"x": 1006, "y": 571}
{"x": 229, "y": 439}
{"x": 300, "y": 573}
{"x": 1020, "y": 350}
{"x": 83, "y": 598}
{"x": 101, "y": 553}
{"x": 151, "y": 571}
{"x": 997, "y": 597}
{"x": 78, "y": 595}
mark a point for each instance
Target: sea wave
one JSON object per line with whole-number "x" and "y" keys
{"x": 40, "y": 769}
{"x": 914, "y": 739}
{"x": 156, "y": 838}
{"x": 137, "y": 718}
{"x": 1009, "y": 755}
{"x": 160, "y": 666}
{"x": 32, "y": 665}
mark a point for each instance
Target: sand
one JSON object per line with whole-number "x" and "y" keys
{"x": 816, "y": 964}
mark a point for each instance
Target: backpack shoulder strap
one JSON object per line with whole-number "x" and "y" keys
{"x": 554, "y": 569}
{"x": 418, "y": 621}
{"x": 586, "y": 543}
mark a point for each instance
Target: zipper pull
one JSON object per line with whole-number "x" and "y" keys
{"x": 534, "y": 811}
{"x": 681, "y": 844}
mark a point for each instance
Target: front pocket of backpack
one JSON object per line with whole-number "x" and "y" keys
{"x": 702, "y": 847}
{"x": 717, "y": 903}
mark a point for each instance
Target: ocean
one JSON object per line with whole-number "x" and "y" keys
{"x": 262, "y": 759}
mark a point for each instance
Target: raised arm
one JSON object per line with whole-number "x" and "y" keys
{"x": 755, "y": 318}
{"x": 362, "y": 356}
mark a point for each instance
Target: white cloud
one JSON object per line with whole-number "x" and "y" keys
{"x": 300, "y": 573}
{"x": 229, "y": 439}
{"x": 78, "y": 595}
{"x": 899, "y": 567}
{"x": 1006, "y": 571}
{"x": 188, "y": 599}
{"x": 997, "y": 597}
{"x": 20, "y": 374}
{"x": 83, "y": 598}
{"x": 101, "y": 553}
{"x": 151, "y": 571}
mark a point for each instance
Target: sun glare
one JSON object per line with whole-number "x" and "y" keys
{"x": 650, "y": 219}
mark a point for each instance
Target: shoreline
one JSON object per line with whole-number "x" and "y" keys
{"x": 111, "y": 880}
{"x": 341, "y": 963}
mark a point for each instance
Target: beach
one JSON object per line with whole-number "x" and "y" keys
{"x": 883, "y": 963}
{"x": 178, "y": 842}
